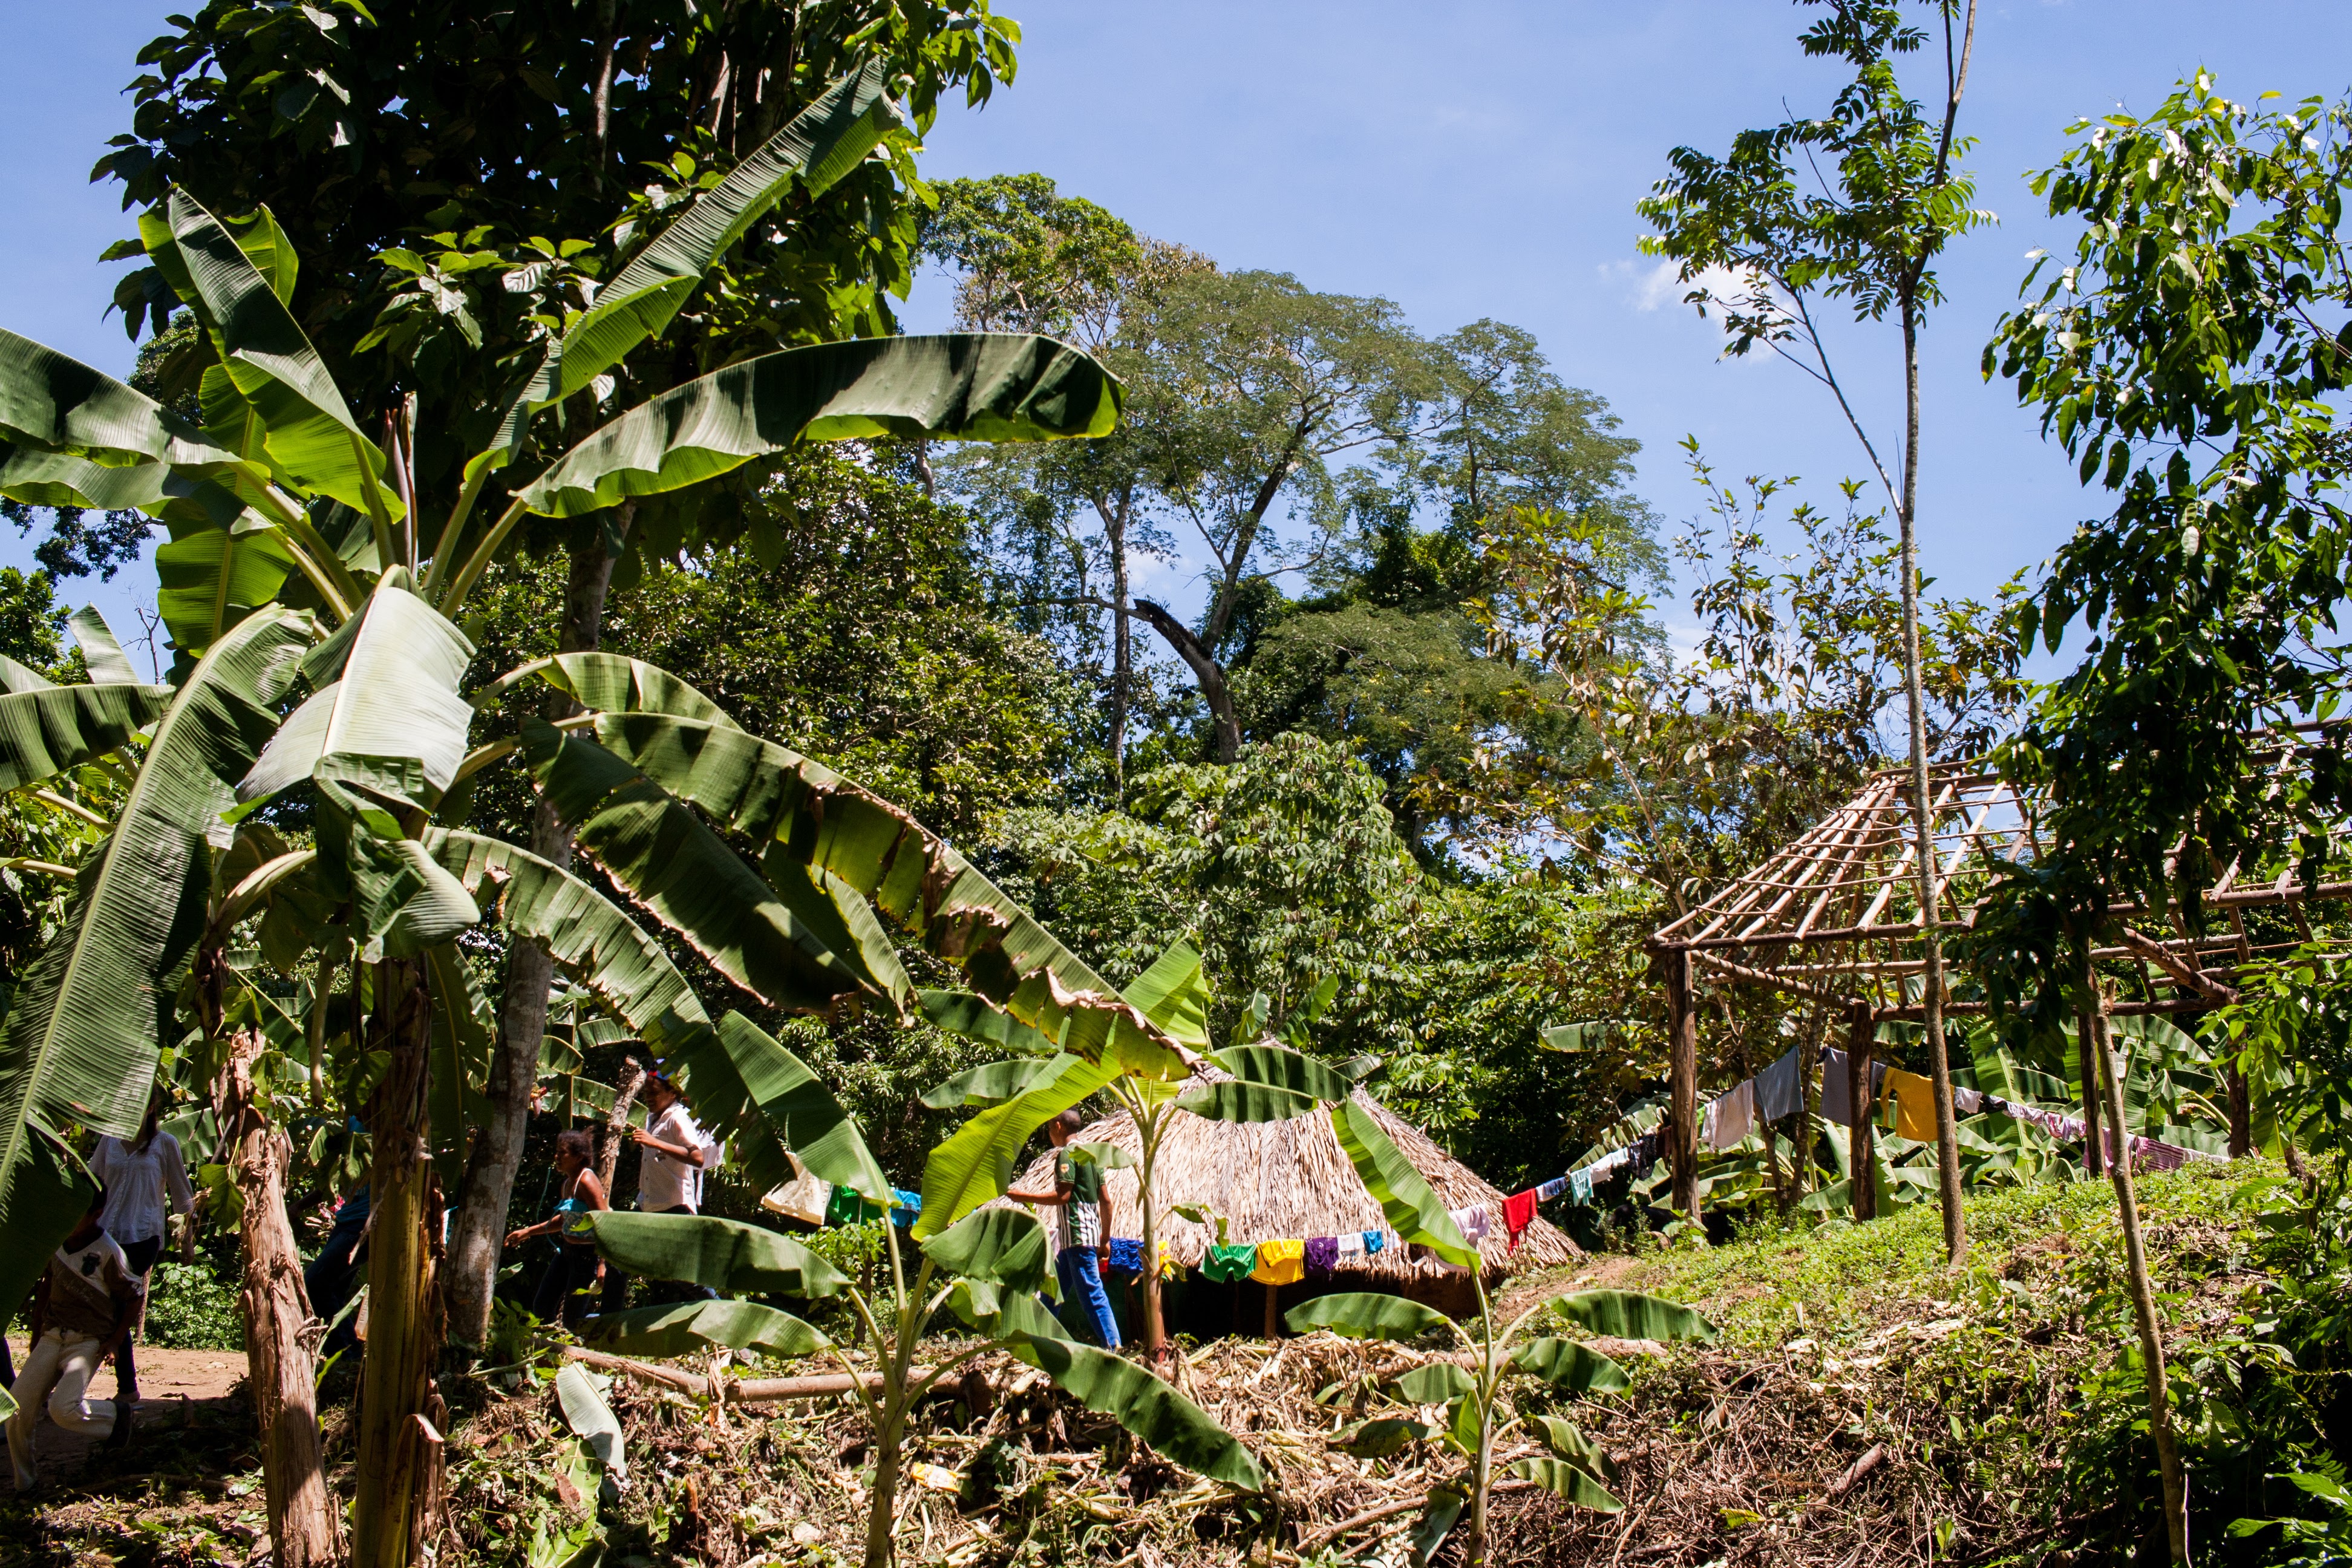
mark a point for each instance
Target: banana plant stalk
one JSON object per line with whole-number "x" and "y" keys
{"x": 985, "y": 1269}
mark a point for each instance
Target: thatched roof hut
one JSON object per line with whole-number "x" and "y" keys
{"x": 1277, "y": 1179}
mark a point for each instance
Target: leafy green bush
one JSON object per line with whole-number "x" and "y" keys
{"x": 190, "y": 1308}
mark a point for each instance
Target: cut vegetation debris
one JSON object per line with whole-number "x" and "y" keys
{"x": 1863, "y": 1406}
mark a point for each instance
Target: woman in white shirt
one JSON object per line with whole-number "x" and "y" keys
{"x": 673, "y": 1155}
{"x": 139, "y": 1176}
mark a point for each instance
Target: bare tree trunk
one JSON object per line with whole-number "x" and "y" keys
{"x": 1207, "y": 673}
{"x": 1862, "y": 1147}
{"x": 1122, "y": 663}
{"x": 2142, "y": 1294}
{"x": 1681, "y": 1045}
{"x": 481, "y": 1225}
{"x": 1923, "y": 810}
{"x": 399, "y": 1410}
{"x": 281, "y": 1377}
{"x": 614, "y": 1129}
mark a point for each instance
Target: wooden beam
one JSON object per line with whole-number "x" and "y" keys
{"x": 1682, "y": 1039}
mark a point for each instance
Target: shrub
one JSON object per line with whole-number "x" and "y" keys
{"x": 190, "y": 1308}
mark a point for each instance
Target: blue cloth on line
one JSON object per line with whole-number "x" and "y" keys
{"x": 905, "y": 1206}
{"x": 1375, "y": 1240}
{"x": 1780, "y": 1087}
{"x": 1551, "y": 1189}
{"x": 1127, "y": 1254}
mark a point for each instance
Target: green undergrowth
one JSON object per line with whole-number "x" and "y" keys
{"x": 2011, "y": 1387}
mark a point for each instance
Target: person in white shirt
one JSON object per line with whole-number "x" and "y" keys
{"x": 674, "y": 1153}
{"x": 139, "y": 1176}
{"x": 83, "y": 1307}
{"x": 669, "y": 1173}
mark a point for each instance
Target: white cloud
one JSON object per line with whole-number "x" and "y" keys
{"x": 1659, "y": 285}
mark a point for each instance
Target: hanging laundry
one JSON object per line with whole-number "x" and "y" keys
{"x": 1375, "y": 1240}
{"x": 1281, "y": 1262}
{"x": 1518, "y": 1213}
{"x": 1729, "y": 1117}
{"x": 1967, "y": 1101}
{"x": 1914, "y": 1105}
{"x": 1833, "y": 1108}
{"x": 1322, "y": 1252}
{"x": 1350, "y": 1245}
{"x": 1127, "y": 1254}
{"x": 1643, "y": 1153}
{"x": 1780, "y": 1087}
{"x": 906, "y": 1207}
{"x": 1476, "y": 1221}
{"x": 1228, "y": 1262}
{"x": 1551, "y": 1189}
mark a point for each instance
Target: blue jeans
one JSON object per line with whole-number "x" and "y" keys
{"x": 1085, "y": 1302}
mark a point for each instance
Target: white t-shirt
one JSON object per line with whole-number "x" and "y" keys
{"x": 664, "y": 1181}
{"x": 135, "y": 1185}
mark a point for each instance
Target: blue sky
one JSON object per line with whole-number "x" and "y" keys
{"x": 1466, "y": 161}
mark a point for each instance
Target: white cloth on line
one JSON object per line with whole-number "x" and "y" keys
{"x": 1729, "y": 1117}
{"x": 136, "y": 1182}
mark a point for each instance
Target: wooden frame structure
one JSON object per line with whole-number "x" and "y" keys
{"x": 1835, "y": 917}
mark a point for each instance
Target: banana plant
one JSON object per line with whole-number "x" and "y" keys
{"x": 986, "y": 1270}
{"x": 1475, "y": 1419}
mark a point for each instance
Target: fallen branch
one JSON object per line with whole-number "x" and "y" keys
{"x": 748, "y": 1391}
{"x": 1855, "y": 1471}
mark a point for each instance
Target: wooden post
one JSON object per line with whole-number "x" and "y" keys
{"x": 1861, "y": 1145}
{"x": 2089, "y": 1020}
{"x": 1682, "y": 1125}
{"x": 2151, "y": 1334}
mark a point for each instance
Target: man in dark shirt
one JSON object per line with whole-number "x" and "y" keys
{"x": 1082, "y": 1230}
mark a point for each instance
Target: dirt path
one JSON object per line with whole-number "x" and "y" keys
{"x": 170, "y": 1381}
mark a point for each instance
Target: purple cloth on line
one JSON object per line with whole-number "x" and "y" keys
{"x": 1322, "y": 1252}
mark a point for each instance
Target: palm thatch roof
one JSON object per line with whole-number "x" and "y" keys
{"x": 1272, "y": 1180}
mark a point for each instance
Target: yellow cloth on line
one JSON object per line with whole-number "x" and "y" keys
{"x": 1914, "y": 1105}
{"x": 1280, "y": 1262}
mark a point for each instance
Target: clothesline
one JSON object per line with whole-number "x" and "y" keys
{"x": 1778, "y": 1092}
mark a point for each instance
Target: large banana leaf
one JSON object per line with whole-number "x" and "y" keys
{"x": 1632, "y": 1315}
{"x": 595, "y": 945}
{"x": 585, "y": 1412}
{"x": 822, "y": 144}
{"x": 464, "y": 1028}
{"x": 101, "y": 653}
{"x": 1003, "y": 1246}
{"x": 960, "y": 1013}
{"x": 1172, "y": 1424}
{"x": 1567, "y": 1365}
{"x": 52, "y": 404}
{"x": 984, "y": 386}
{"x": 1568, "y": 1440}
{"x": 991, "y": 1083}
{"x": 80, "y": 1040}
{"x": 1365, "y": 1316}
{"x": 1434, "y": 1384}
{"x": 610, "y": 683}
{"x": 403, "y": 901}
{"x": 673, "y": 1330}
{"x": 45, "y": 731}
{"x": 727, "y": 1256}
{"x": 1413, "y": 1212}
{"x": 308, "y": 429}
{"x": 1174, "y": 995}
{"x": 396, "y": 699}
{"x": 975, "y": 1164}
{"x": 793, "y": 1105}
{"x": 825, "y": 821}
{"x": 795, "y": 941}
{"x": 208, "y": 579}
{"x": 1567, "y": 1481}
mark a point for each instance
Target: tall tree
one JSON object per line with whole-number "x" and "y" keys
{"x": 1035, "y": 260}
{"x": 1867, "y": 231}
{"x": 450, "y": 181}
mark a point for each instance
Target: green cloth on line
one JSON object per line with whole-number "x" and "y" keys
{"x": 848, "y": 1208}
{"x": 1229, "y": 1262}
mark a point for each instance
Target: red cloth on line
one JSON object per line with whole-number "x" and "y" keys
{"x": 1518, "y": 1213}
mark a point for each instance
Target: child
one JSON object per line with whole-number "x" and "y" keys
{"x": 563, "y": 1288}
{"x": 1085, "y": 1238}
{"x": 82, "y": 1309}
